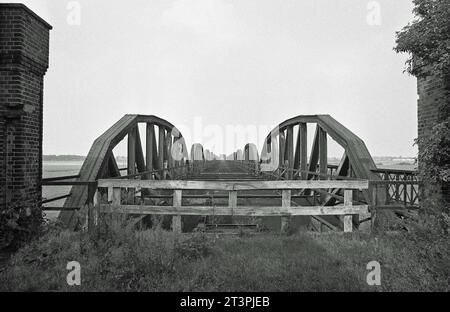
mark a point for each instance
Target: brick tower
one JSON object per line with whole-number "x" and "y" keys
{"x": 24, "y": 49}
{"x": 434, "y": 96}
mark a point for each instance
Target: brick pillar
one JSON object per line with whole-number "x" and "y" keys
{"x": 434, "y": 99}
{"x": 24, "y": 46}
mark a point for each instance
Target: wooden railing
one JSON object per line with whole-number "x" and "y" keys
{"x": 182, "y": 171}
{"x": 401, "y": 189}
{"x": 63, "y": 181}
{"x": 114, "y": 205}
{"x": 399, "y": 186}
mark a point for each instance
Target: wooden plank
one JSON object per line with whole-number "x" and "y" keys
{"x": 131, "y": 157}
{"x": 266, "y": 211}
{"x": 176, "y": 219}
{"x": 235, "y": 185}
{"x": 286, "y": 204}
{"x": 149, "y": 149}
{"x": 348, "y": 220}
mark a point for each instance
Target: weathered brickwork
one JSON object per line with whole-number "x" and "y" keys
{"x": 24, "y": 50}
{"x": 434, "y": 95}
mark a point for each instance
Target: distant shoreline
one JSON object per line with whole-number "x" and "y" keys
{"x": 63, "y": 158}
{"x": 380, "y": 160}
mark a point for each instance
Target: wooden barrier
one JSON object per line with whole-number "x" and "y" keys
{"x": 347, "y": 209}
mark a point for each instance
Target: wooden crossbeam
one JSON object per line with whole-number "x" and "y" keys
{"x": 235, "y": 185}
{"x": 248, "y": 211}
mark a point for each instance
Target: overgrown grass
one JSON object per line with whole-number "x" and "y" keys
{"x": 123, "y": 259}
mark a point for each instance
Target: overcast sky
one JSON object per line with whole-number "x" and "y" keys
{"x": 228, "y": 62}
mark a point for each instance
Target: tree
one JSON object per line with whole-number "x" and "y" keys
{"x": 427, "y": 38}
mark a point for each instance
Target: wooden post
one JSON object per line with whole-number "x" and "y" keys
{"x": 373, "y": 191}
{"x": 110, "y": 194}
{"x": 387, "y": 197}
{"x": 116, "y": 201}
{"x": 348, "y": 220}
{"x": 397, "y": 188}
{"x": 176, "y": 220}
{"x": 169, "y": 149}
{"x": 149, "y": 160}
{"x": 164, "y": 173}
{"x": 323, "y": 158}
{"x": 161, "y": 149}
{"x": 313, "y": 159}
{"x": 281, "y": 144}
{"x": 323, "y": 153}
{"x": 97, "y": 208}
{"x": 139, "y": 153}
{"x": 301, "y": 151}
{"x": 90, "y": 205}
{"x": 290, "y": 151}
{"x": 131, "y": 158}
{"x": 285, "y": 203}
{"x": 232, "y": 202}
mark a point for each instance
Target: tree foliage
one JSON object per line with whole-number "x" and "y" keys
{"x": 427, "y": 38}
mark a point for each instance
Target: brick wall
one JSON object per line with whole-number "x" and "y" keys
{"x": 24, "y": 49}
{"x": 434, "y": 94}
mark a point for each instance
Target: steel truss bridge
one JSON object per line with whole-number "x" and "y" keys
{"x": 282, "y": 186}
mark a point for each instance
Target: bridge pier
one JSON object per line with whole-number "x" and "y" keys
{"x": 24, "y": 61}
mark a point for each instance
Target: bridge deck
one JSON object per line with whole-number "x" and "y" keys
{"x": 223, "y": 170}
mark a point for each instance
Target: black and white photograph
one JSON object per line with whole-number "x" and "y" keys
{"x": 225, "y": 151}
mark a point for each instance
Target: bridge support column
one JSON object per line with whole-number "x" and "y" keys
{"x": 24, "y": 50}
